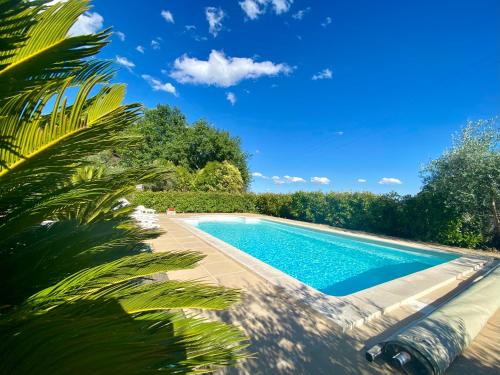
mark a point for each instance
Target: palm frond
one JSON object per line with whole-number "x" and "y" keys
{"x": 97, "y": 281}
{"x": 14, "y": 20}
{"x": 75, "y": 339}
{"x": 171, "y": 295}
{"x": 43, "y": 55}
{"x": 46, "y": 254}
{"x": 75, "y": 293}
{"x": 33, "y": 132}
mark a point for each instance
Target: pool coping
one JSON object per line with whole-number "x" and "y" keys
{"x": 358, "y": 308}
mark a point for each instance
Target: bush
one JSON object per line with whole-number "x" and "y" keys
{"x": 461, "y": 233}
{"x": 348, "y": 210}
{"x": 273, "y": 204}
{"x": 195, "y": 201}
{"x": 219, "y": 177}
{"x": 308, "y": 206}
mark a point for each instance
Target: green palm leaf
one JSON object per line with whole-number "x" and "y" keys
{"x": 91, "y": 281}
{"x": 67, "y": 340}
{"x": 46, "y": 254}
{"x": 42, "y": 55}
{"x": 76, "y": 294}
{"x": 34, "y": 132}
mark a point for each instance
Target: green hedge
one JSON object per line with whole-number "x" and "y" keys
{"x": 358, "y": 211}
{"x": 195, "y": 201}
{"x": 420, "y": 217}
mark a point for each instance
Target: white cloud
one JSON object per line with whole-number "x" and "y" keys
{"x": 223, "y": 71}
{"x": 140, "y": 49}
{"x": 254, "y": 8}
{"x": 214, "y": 18}
{"x": 231, "y": 97}
{"x": 277, "y": 180}
{"x": 293, "y": 179}
{"x": 260, "y": 175}
{"x": 328, "y": 20}
{"x": 339, "y": 133}
{"x": 125, "y": 62}
{"x": 158, "y": 85}
{"x": 87, "y": 23}
{"x": 251, "y": 8}
{"x": 120, "y": 35}
{"x": 301, "y": 13}
{"x": 190, "y": 27}
{"x": 281, "y": 6}
{"x": 164, "y": 71}
{"x": 324, "y": 74}
{"x": 155, "y": 43}
{"x": 362, "y": 180}
{"x": 390, "y": 181}
{"x": 167, "y": 15}
{"x": 320, "y": 180}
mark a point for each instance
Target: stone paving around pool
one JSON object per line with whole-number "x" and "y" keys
{"x": 291, "y": 334}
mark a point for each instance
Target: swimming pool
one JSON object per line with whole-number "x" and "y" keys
{"x": 334, "y": 264}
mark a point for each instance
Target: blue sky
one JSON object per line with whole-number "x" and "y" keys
{"x": 349, "y": 92}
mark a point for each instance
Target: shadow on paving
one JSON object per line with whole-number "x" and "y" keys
{"x": 288, "y": 338}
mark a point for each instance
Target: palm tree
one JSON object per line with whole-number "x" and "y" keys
{"x": 76, "y": 292}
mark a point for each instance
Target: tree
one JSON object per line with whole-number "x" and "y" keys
{"x": 164, "y": 135}
{"x": 75, "y": 271}
{"x": 467, "y": 178}
{"x": 206, "y": 144}
{"x": 176, "y": 178}
{"x": 160, "y": 137}
{"x": 221, "y": 177}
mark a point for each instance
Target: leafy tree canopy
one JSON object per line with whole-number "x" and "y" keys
{"x": 467, "y": 179}
{"x": 165, "y": 135}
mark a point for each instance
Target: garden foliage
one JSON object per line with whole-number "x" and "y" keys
{"x": 164, "y": 135}
{"x": 77, "y": 293}
{"x": 420, "y": 217}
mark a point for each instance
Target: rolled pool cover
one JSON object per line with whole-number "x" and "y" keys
{"x": 435, "y": 341}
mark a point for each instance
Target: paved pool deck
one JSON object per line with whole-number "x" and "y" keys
{"x": 291, "y": 335}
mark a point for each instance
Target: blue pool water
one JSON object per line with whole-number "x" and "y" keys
{"x": 333, "y": 264}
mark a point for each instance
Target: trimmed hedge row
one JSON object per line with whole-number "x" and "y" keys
{"x": 195, "y": 201}
{"x": 419, "y": 217}
{"x": 358, "y": 211}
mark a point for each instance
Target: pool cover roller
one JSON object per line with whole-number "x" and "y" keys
{"x": 430, "y": 345}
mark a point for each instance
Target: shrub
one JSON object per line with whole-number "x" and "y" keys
{"x": 308, "y": 206}
{"x": 384, "y": 214}
{"x": 173, "y": 178}
{"x": 461, "y": 233}
{"x": 273, "y": 204}
{"x": 219, "y": 177}
{"x": 196, "y": 201}
{"x": 348, "y": 210}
